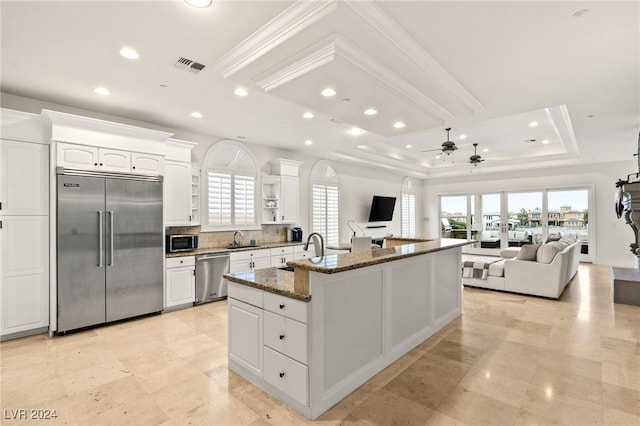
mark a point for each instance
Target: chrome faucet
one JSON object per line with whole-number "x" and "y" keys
{"x": 319, "y": 248}
{"x": 236, "y": 240}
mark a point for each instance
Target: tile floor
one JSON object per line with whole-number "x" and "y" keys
{"x": 509, "y": 360}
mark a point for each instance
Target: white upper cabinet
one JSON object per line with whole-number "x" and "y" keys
{"x": 83, "y": 157}
{"x": 177, "y": 193}
{"x": 77, "y": 156}
{"x": 147, "y": 164}
{"x": 114, "y": 160}
{"x": 289, "y": 202}
{"x": 24, "y": 178}
{"x": 178, "y": 184}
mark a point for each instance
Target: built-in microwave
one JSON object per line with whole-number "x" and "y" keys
{"x": 176, "y": 243}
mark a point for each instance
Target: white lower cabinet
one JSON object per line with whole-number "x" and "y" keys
{"x": 180, "y": 281}
{"x": 245, "y": 334}
{"x": 268, "y": 337}
{"x": 288, "y": 375}
{"x": 24, "y": 274}
{"x": 248, "y": 260}
{"x": 280, "y": 256}
{"x": 300, "y": 253}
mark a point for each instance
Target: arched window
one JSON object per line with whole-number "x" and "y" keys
{"x": 229, "y": 174}
{"x": 325, "y": 208}
{"x": 408, "y": 207}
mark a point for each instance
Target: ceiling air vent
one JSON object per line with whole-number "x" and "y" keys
{"x": 189, "y": 65}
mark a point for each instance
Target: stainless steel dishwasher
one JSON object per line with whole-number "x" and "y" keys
{"x": 210, "y": 285}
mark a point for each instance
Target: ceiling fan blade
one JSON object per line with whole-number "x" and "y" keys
{"x": 432, "y": 150}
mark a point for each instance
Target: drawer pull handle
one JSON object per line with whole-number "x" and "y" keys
{"x": 281, "y": 306}
{"x": 281, "y": 374}
{"x": 282, "y": 337}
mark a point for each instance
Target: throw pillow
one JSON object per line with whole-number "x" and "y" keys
{"x": 547, "y": 252}
{"x": 528, "y": 252}
{"x": 552, "y": 238}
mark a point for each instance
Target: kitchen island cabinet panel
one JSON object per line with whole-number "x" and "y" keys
{"x": 245, "y": 335}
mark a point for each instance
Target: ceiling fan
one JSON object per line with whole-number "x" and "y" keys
{"x": 475, "y": 159}
{"x": 447, "y": 147}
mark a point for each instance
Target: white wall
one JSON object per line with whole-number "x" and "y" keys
{"x": 612, "y": 235}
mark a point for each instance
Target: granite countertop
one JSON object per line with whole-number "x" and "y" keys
{"x": 333, "y": 263}
{"x": 273, "y": 280}
{"x": 202, "y": 251}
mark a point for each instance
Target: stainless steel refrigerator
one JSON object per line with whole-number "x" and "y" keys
{"x": 109, "y": 248}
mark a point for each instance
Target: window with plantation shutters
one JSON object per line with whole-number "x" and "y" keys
{"x": 325, "y": 202}
{"x": 230, "y": 192}
{"x": 408, "y": 208}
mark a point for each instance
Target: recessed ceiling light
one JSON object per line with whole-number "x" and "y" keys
{"x": 580, "y": 13}
{"x": 546, "y": 141}
{"x": 399, "y": 124}
{"x": 356, "y": 131}
{"x": 533, "y": 124}
{"x": 240, "y": 91}
{"x": 328, "y": 92}
{"x": 370, "y": 111}
{"x": 437, "y": 156}
{"x": 462, "y": 137}
{"x": 307, "y": 115}
{"x": 308, "y": 142}
{"x": 129, "y": 53}
{"x": 409, "y": 146}
{"x": 196, "y": 114}
{"x": 199, "y": 3}
{"x": 102, "y": 91}
{"x": 485, "y": 150}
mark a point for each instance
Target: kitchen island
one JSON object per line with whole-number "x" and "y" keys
{"x": 312, "y": 336}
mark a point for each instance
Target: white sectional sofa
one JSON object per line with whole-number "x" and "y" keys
{"x": 553, "y": 266}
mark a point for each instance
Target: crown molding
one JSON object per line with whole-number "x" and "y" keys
{"x": 294, "y": 19}
{"x": 313, "y": 57}
{"x": 378, "y": 19}
{"x": 327, "y": 50}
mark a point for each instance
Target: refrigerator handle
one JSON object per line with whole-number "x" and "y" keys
{"x": 100, "y": 232}
{"x": 111, "y": 238}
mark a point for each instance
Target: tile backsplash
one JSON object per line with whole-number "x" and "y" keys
{"x": 221, "y": 239}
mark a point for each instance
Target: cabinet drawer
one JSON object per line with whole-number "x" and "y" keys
{"x": 250, "y": 295}
{"x": 286, "y": 336}
{"x": 248, "y": 254}
{"x": 300, "y": 249}
{"x": 174, "y": 262}
{"x": 281, "y": 305}
{"x": 288, "y": 375}
{"x": 282, "y": 251}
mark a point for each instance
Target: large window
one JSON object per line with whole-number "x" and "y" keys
{"x": 230, "y": 187}
{"x": 408, "y": 208}
{"x": 325, "y": 202}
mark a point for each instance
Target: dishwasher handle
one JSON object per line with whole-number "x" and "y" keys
{"x": 211, "y": 256}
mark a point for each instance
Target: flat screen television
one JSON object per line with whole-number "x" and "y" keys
{"x": 382, "y": 208}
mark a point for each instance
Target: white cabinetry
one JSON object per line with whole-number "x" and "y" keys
{"x": 177, "y": 193}
{"x": 268, "y": 337}
{"x": 24, "y": 238}
{"x": 300, "y": 253}
{"x": 280, "y": 256}
{"x": 245, "y": 334}
{"x": 180, "y": 281}
{"x": 280, "y": 192}
{"x": 24, "y": 178}
{"x": 178, "y": 184}
{"x": 83, "y": 157}
{"x": 247, "y": 260}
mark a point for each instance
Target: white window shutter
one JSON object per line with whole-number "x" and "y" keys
{"x": 219, "y": 199}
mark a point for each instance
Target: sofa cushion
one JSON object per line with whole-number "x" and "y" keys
{"x": 547, "y": 252}
{"x": 528, "y": 252}
{"x": 496, "y": 269}
{"x": 521, "y": 235}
